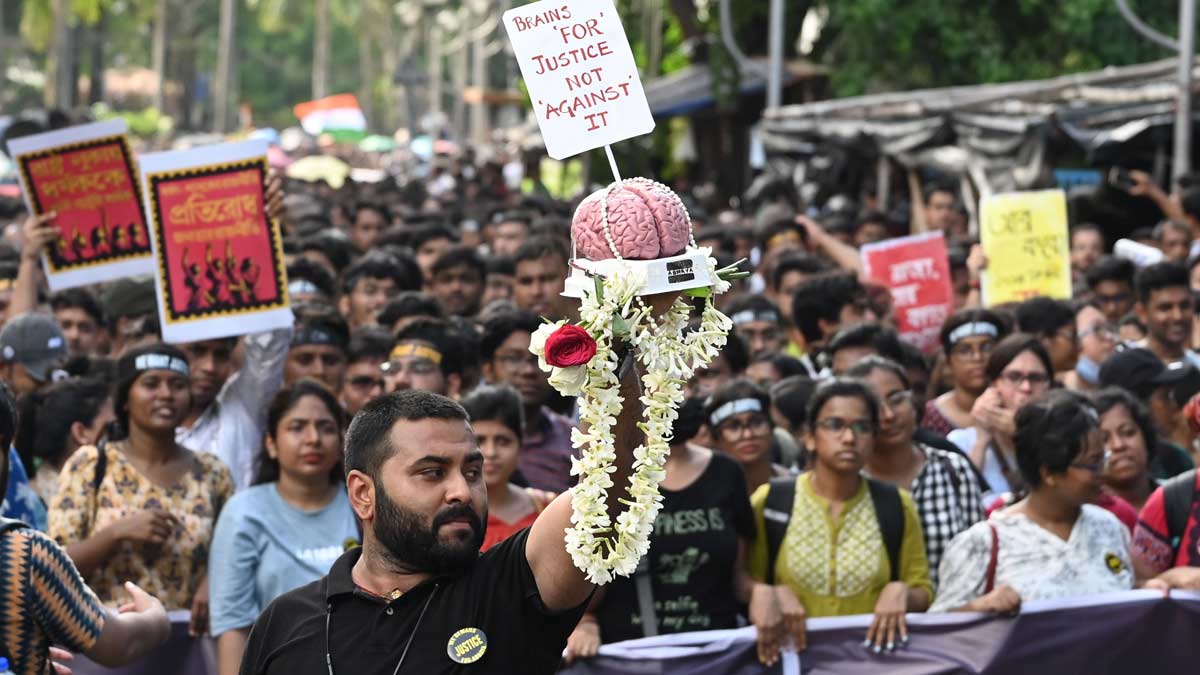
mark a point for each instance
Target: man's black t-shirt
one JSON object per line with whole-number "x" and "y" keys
{"x": 693, "y": 552}
{"x": 498, "y": 598}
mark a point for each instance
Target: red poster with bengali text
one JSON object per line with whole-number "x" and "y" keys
{"x": 917, "y": 271}
{"x": 218, "y": 248}
{"x": 92, "y": 187}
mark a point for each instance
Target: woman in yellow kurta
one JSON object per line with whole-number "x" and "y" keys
{"x": 833, "y": 560}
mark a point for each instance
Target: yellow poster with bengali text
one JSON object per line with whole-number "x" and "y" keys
{"x": 1024, "y": 235}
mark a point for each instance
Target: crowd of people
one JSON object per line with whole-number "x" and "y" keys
{"x": 820, "y": 466}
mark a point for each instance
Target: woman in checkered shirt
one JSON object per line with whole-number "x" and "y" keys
{"x": 943, "y": 484}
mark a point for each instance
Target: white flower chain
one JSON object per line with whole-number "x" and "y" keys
{"x": 598, "y": 547}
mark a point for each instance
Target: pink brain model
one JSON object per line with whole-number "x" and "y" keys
{"x": 645, "y": 219}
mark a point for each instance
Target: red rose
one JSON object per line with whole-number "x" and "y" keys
{"x": 569, "y": 346}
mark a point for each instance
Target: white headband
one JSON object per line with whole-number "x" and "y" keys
{"x": 748, "y": 315}
{"x": 732, "y": 408}
{"x": 160, "y": 362}
{"x": 973, "y": 329}
{"x": 302, "y": 286}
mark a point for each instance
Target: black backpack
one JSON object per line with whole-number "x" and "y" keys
{"x": 889, "y": 512}
{"x": 1178, "y": 494}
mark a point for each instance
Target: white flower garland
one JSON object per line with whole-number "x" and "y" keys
{"x": 598, "y": 547}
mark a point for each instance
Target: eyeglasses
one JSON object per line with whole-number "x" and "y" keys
{"x": 1016, "y": 378}
{"x": 414, "y": 367}
{"x": 966, "y": 351}
{"x": 756, "y": 424}
{"x": 366, "y": 382}
{"x": 1101, "y": 330}
{"x": 897, "y": 398}
{"x": 1095, "y": 467}
{"x": 1068, "y": 334}
{"x": 838, "y": 426}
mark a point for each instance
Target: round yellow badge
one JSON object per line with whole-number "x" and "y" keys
{"x": 1114, "y": 563}
{"x": 349, "y": 543}
{"x": 467, "y": 646}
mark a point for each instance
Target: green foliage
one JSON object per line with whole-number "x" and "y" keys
{"x": 148, "y": 124}
{"x": 881, "y": 45}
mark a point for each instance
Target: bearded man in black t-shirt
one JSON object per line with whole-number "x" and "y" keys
{"x": 417, "y": 597}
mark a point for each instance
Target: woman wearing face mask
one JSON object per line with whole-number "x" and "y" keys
{"x": 968, "y": 337}
{"x": 942, "y": 482}
{"x": 739, "y": 418}
{"x": 288, "y": 528}
{"x": 149, "y": 517}
{"x": 834, "y": 556}
{"x": 497, "y": 418}
{"x": 60, "y": 419}
{"x": 1053, "y": 543}
{"x": 1018, "y": 371}
{"x": 1097, "y": 339}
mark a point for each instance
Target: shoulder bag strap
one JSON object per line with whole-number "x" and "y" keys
{"x": 777, "y": 511}
{"x": 98, "y": 478}
{"x": 889, "y": 511}
{"x": 991, "y": 568}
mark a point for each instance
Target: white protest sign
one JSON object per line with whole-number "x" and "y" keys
{"x": 582, "y": 79}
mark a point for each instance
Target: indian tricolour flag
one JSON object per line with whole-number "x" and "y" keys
{"x": 339, "y": 112}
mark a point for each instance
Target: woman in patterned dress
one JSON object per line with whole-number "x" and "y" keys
{"x": 146, "y": 511}
{"x": 1053, "y": 543}
{"x": 943, "y": 483}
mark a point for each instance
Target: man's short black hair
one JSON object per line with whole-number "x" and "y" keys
{"x": 797, "y": 262}
{"x": 883, "y": 340}
{"x": 303, "y": 269}
{"x": 370, "y": 343}
{"x": 822, "y": 297}
{"x": 443, "y": 337}
{"x": 1158, "y": 276}
{"x": 79, "y": 298}
{"x": 403, "y": 271}
{"x": 368, "y": 441}
{"x": 419, "y": 236}
{"x": 1111, "y": 268}
{"x": 536, "y": 248}
{"x": 371, "y": 205}
{"x": 334, "y": 246}
{"x": 458, "y": 256}
{"x": 497, "y": 329}
{"x": 1044, "y": 316}
{"x": 936, "y": 187}
{"x": 409, "y": 303}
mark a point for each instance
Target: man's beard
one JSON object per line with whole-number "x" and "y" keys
{"x": 409, "y": 544}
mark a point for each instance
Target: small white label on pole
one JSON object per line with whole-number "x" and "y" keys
{"x": 582, "y": 79}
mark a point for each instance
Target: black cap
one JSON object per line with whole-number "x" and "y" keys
{"x": 1140, "y": 372}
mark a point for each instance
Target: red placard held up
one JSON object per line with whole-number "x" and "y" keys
{"x": 917, "y": 270}
{"x": 87, "y": 175}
